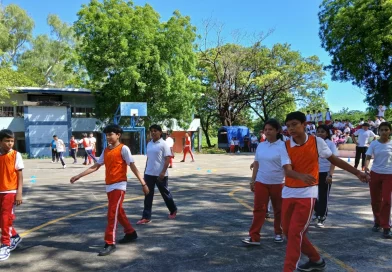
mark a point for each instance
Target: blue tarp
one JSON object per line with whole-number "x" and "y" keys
{"x": 226, "y": 133}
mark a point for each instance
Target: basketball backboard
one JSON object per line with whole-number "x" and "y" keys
{"x": 133, "y": 109}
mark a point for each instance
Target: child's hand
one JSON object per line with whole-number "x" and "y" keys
{"x": 74, "y": 179}
{"x": 308, "y": 179}
{"x": 146, "y": 191}
{"x": 18, "y": 199}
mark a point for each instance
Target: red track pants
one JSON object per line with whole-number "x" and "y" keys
{"x": 381, "y": 194}
{"x": 262, "y": 194}
{"x": 296, "y": 216}
{"x": 116, "y": 214}
{"x": 7, "y": 217}
{"x": 186, "y": 150}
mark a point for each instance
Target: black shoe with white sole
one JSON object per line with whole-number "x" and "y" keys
{"x": 376, "y": 228}
{"x": 387, "y": 234}
{"x": 107, "y": 250}
{"x": 129, "y": 237}
{"x": 310, "y": 266}
{"x": 250, "y": 242}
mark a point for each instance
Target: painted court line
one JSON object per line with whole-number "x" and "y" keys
{"x": 322, "y": 252}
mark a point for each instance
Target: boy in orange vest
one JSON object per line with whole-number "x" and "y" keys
{"x": 116, "y": 158}
{"x": 301, "y": 190}
{"x": 73, "y": 151}
{"x": 11, "y": 187}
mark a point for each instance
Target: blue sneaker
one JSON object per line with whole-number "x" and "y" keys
{"x": 4, "y": 253}
{"x": 15, "y": 241}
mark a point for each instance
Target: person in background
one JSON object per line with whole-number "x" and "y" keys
{"x": 55, "y": 155}
{"x": 88, "y": 149}
{"x": 308, "y": 117}
{"x": 93, "y": 142}
{"x": 328, "y": 117}
{"x": 361, "y": 122}
{"x": 362, "y": 143}
{"x": 381, "y": 111}
{"x": 381, "y": 180}
{"x": 236, "y": 145}
{"x": 262, "y": 136}
{"x": 346, "y": 129}
{"x": 314, "y": 117}
{"x": 60, "y": 147}
{"x": 319, "y": 118}
{"x": 170, "y": 143}
{"x": 187, "y": 148}
{"x": 254, "y": 142}
{"x": 73, "y": 151}
{"x": 376, "y": 125}
{"x": 232, "y": 145}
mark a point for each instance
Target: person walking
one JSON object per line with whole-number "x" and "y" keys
{"x": 170, "y": 142}
{"x": 60, "y": 148}
{"x": 158, "y": 160}
{"x": 267, "y": 182}
{"x": 187, "y": 147}
{"x": 55, "y": 155}
{"x": 362, "y": 143}
{"x": 381, "y": 179}
{"x": 73, "y": 144}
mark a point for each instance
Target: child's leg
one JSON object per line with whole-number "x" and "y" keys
{"x": 150, "y": 181}
{"x": 85, "y": 156}
{"x": 375, "y": 186}
{"x": 323, "y": 195}
{"x": 190, "y": 152}
{"x": 7, "y": 216}
{"x": 166, "y": 195}
{"x": 115, "y": 199}
{"x": 276, "y": 199}
{"x": 61, "y": 157}
{"x": 259, "y": 210}
{"x": 385, "y": 212}
{"x": 122, "y": 217}
{"x": 364, "y": 150}
{"x": 53, "y": 155}
{"x": 186, "y": 149}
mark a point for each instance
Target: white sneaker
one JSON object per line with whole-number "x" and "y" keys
{"x": 278, "y": 238}
{"x": 250, "y": 242}
{"x": 64, "y": 166}
{"x": 4, "y": 253}
{"x": 15, "y": 241}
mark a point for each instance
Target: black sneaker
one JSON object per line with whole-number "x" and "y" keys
{"x": 310, "y": 266}
{"x": 129, "y": 237}
{"x": 320, "y": 222}
{"x": 107, "y": 250}
{"x": 376, "y": 228}
{"x": 387, "y": 234}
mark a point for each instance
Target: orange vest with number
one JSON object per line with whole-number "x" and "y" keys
{"x": 116, "y": 167}
{"x": 8, "y": 173}
{"x": 304, "y": 160}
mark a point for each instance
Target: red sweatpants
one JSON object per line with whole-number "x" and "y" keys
{"x": 116, "y": 214}
{"x": 262, "y": 194}
{"x": 296, "y": 216}
{"x": 7, "y": 217}
{"x": 186, "y": 150}
{"x": 381, "y": 194}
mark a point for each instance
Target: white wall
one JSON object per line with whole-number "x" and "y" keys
{"x": 12, "y": 123}
{"x": 47, "y": 114}
{"x": 86, "y": 124}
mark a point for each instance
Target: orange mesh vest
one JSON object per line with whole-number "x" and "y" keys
{"x": 304, "y": 160}
{"x": 74, "y": 144}
{"x": 8, "y": 173}
{"x": 116, "y": 167}
{"x": 188, "y": 141}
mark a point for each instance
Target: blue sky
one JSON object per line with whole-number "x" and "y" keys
{"x": 294, "y": 22}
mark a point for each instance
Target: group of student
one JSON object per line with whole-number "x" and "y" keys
{"x": 58, "y": 149}
{"x": 296, "y": 174}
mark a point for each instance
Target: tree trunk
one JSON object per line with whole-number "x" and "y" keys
{"x": 205, "y": 128}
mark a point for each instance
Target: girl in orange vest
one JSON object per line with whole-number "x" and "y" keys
{"x": 73, "y": 148}
{"x": 301, "y": 190}
{"x": 187, "y": 147}
{"x": 116, "y": 157}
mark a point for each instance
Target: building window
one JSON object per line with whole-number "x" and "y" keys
{"x": 78, "y": 112}
{"x": 19, "y": 111}
{"x": 44, "y": 98}
{"x": 6, "y": 111}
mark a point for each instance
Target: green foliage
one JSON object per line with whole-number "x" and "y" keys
{"x": 358, "y": 36}
{"x": 131, "y": 56}
{"x": 15, "y": 30}
{"x": 353, "y": 116}
{"x": 9, "y": 79}
{"x": 314, "y": 102}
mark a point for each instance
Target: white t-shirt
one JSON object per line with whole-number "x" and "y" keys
{"x": 377, "y": 123}
{"x": 156, "y": 156}
{"x": 319, "y": 117}
{"x": 236, "y": 142}
{"x": 87, "y": 140}
{"x": 170, "y": 142}
{"x": 127, "y": 157}
{"x": 314, "y": 117}
{"x": 324, "y": 164}
{"x": 382, "y": 163}
{"x": 93, "y": 142}
{"x": 381, "y": 111}
{"x": 328, "y": 116}
{"x": 254, "y": 140}
{"x": 363, "y": 137}
{"x": 312, "y": 191}
{"x": 19, "y": 165}
{"x": 270, "y": 159}
{"x": 60, "y": 147}
{"x": 347, "y": 130}
{"x": 308, "y": 117}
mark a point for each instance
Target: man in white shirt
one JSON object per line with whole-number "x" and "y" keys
{"x": 60, "y": 147}
{"x": 381, "y": 110}
{"x": 319, "y": 118}
{"x": 254, "y": 141}
{"x": 170, "y": 143}
{"x": 362, "y": 143}
{"x": 314, "y": 116}
{"x": 158, "y": 159}
{"x": 328, "y": 117}
{"x": 308, "y": 117}
{"x": 376, "y": 125}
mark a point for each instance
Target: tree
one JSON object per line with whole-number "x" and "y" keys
{"x": 357, "y": 35}
{"x": 9, "y": 79}
{"x": 352, "y": 115}
{"x": 15, "y": 31}
{"x": 49, "y": 61}
{"x": 314, "y": 102}
{"x": 131, "y": 56}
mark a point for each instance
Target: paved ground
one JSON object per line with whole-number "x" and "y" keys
{"x": 63, "y": 224}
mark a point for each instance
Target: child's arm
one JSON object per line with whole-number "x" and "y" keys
{"x": 20, "y": 188}
{"x": 136, "y": 172}
{"x": 90, "y": 170}
{"x": 331, "y": 171}
{"x": 289, "y": 172}
{"x": 254, "y": 173}
{"x": 165, "y": 166}
{"x": 367, "y": 162}
{"x": 345, "y": 166}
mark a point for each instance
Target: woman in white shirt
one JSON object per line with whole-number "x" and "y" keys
{"x": 381, "y": 179}
{"x": 267, "y": 182}
{"x": 326, "y": 170}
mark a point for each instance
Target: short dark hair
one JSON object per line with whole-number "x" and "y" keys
{"x": 385, "y": 124}
{"x": 84, "y": 134}
{"x": 6, "y": 133}
{"x": 296, "y": 115}
{"x": 326, "y": 128}
{"x": 54, "y": 136}
{"x": 156, "y": 127}
{"x": 113, "y": 128}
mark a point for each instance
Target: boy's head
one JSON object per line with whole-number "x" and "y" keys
{"x": 365, "y": 126}
{"x": 55, "y": 137}
{"x": 84, "y": 135}
{"x": 7, "y": 140}
{"x": 72, "y": 137}
{"x": 113, "y": 133}
{"x": 91, "y": 134}
{"x": 296, "y": 123}
{"x": 314, "y": 111}
{"x": 327, "y": 109}
{"x": 308, "y": 111}
{"x": 155, "y": 132}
